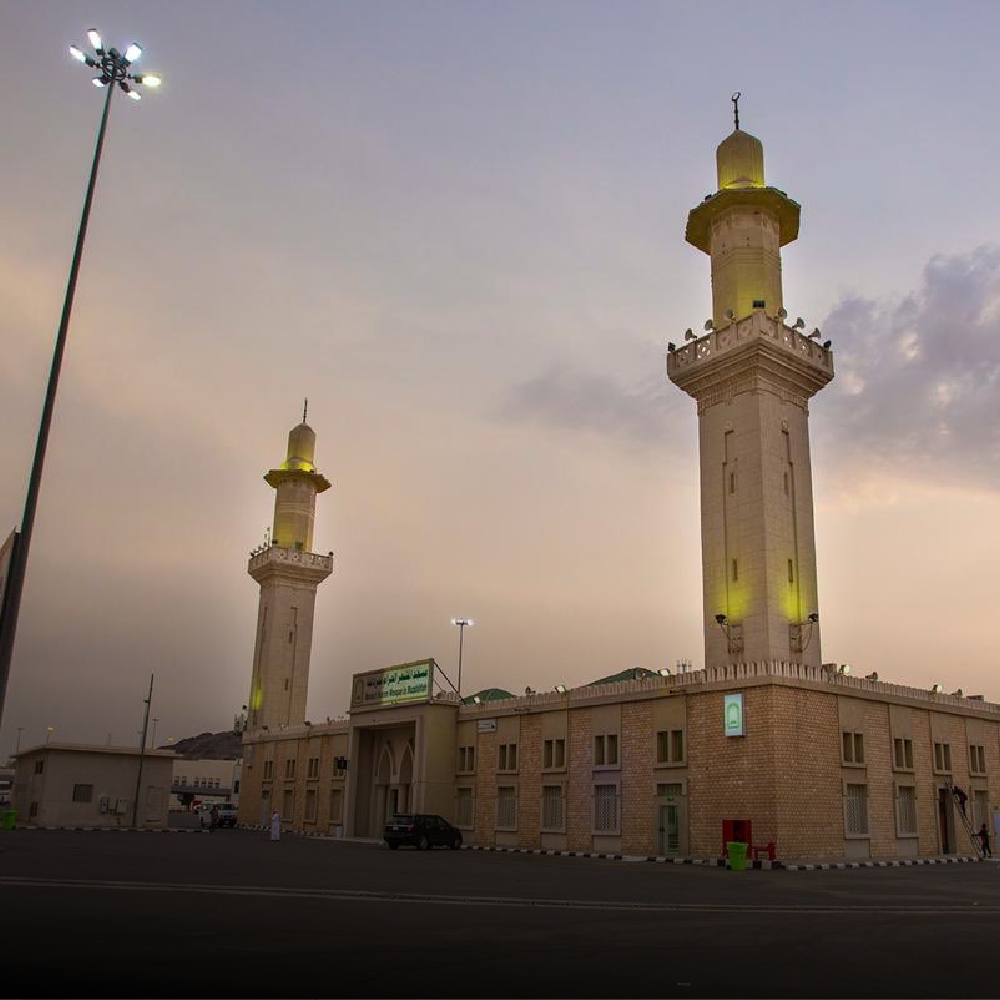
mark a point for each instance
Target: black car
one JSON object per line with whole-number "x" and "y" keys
{"x": 423, "y": 832}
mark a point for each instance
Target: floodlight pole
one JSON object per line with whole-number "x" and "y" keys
{"x": 22, "y": 542}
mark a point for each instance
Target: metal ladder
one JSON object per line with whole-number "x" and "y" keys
{"x": 966, "y": 822}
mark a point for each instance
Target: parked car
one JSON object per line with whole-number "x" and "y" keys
{"x": 422, "y": 832}
{"x": 227, "y": 814}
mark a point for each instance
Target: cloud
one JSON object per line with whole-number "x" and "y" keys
{"x": 918, "y": 379}
{"x": 569, "y": 398}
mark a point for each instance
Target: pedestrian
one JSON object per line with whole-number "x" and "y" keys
{"x": 213, "y": 818}
{"x": 984, "y": 840}
{"x": 275, "y": 825}
{"x": 961, "y": 796}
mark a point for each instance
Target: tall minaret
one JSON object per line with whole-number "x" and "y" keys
{"x": 752, "y": 376}
{"x": 288, "y": 572}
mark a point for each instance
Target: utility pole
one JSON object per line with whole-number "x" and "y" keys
{"x": 142, "y": 753}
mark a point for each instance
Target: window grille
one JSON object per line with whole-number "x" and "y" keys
{"x": 856, "y": 805}
{"x": 907, "y": 810}
{"x": 552, "y": 807}
{"x": 606, "y": 807}
{"x": 506, "y": 808}
{"x": 465, "y": 807}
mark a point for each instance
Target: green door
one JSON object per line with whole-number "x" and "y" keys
{"x": 670, "y": 837}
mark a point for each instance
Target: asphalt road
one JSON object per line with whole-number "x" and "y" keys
{"x": 122, "y": 914}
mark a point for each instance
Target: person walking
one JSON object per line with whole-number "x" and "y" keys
{"x": 984, "y": 840}
{"x": 275, "y": 825}
{"x": 213, "y": 820}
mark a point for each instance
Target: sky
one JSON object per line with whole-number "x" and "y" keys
{"x": 458, "y": 229}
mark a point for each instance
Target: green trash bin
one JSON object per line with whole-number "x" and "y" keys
{"x": 7, "y": 819}
{"x": 737, "y": 852}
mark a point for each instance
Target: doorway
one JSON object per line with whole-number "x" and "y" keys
{"x": 944, "y": 820}
{"x": 670, "y": 830}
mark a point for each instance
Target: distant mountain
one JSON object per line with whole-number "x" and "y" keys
{"x": 209, "y": 746}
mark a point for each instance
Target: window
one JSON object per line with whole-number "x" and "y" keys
{"x": 465, "y": 808}
{"x": 467, "y": 758}
{"x": 902, "y": 754}
{"x": 906, "y": 811}
{"x": 506, "y": 807}
{"x": 216, "y": 782}
{"x": 606, "y": 808}
{"x": 852, "y": 747}
{"x": 736, "y": 572}
{"x": 606, "y": 750}
{"x": 310, "y": 816}
{"x": 554, "y": 755}
{"x": 732, "y": 482}
{"x": 339, "y": 766}
{"x": 336, "y": 805}
{"x": 289, "y": 769}
{"x": 236, "y": 787}
{"x": 39, "y": 766}
{"x": 786, "y": 484}
{"x": 942, "y": 757}
{"x": 791, "y": 572}
{"x": 507, "y": 757}
{"x": 287, "y": 806}
{"x": 552, "y": 807}
{"x": 977, "y": 758}
{"x": 268, "y": 770}
{"x": 83, "y": 793}
{"x": 856, "y": 810}
{"x": 670, "y": 746}
{"x": 670, "y": 790}
{"x": 313, "y": 768}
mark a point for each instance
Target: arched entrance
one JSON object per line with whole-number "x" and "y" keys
{"x": 404, "y": 790}
{"x": 381, "y": 806}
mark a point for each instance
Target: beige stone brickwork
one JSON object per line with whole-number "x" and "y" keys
{"x": 638, "y": 747}
{"x": 529, "y": 818}
{"x": 580, "y": 787}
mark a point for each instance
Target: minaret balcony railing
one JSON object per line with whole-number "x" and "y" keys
{"x": 278, "y": 556}
{"x": 758, "y": 326}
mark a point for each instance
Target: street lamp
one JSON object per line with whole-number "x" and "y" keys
{"x": 113, "y": 70}
{"x": 461, "y": 623}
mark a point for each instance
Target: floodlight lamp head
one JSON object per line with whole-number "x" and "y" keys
{"x": 720, "y": 619}
{"x": 671, "y": 346}
{"x": 94, "y": 37}
{"x": 730, "y": 314}
{"x": 814, "y": 617}
{"x": 800, "y": 323}
{"x": 845, "y": 668}
{"x": 937, "y": 688}
{"x": 815, "y": 334}
{"x": 561, "y": 688}
{"x": 133, "y": 52}
{"x": 827, "y": 344}
{"x": 664, "y": 671}
{"x": 782, "y": 314}
{"x": 689, "y": 334}
{"x": 709, "y": 325}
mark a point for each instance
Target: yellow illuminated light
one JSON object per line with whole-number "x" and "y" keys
{"x": 257, "y": 699}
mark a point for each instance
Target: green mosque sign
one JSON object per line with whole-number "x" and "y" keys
{"x": 734, "y": 715}
{"x": 405, "y": 682}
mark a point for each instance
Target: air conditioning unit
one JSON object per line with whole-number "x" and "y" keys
{"x": 105, "y": 803}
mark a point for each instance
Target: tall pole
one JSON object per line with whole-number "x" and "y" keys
{"x": 22, "y": 543}
{"x": 461, "y": 637}
{"x": 142, "y": 753}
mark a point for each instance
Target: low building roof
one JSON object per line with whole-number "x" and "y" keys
{"x": 104, "y": 748}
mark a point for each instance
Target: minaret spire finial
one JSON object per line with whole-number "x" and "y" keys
{"x": 305, "y": 408}
{"x": 736, "y": 109}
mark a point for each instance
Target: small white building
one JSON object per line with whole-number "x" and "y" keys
{"x": 197, "y": 780}
{"x": 74, "y": 784}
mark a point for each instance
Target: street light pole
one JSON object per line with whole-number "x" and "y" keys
{"x": 114, "y": 72}
{"x": 461, "y": 623}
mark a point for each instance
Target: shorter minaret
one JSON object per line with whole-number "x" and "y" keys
{"x": 288, "y": 572}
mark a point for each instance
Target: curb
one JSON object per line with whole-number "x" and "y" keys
{"x": 109, "y": 829}
{"x": 825, "y": 866}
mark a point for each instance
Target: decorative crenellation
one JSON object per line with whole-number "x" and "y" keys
{"x": 728, "y": 675}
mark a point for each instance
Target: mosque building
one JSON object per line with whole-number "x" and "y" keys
{"x": 767, "y": 743}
